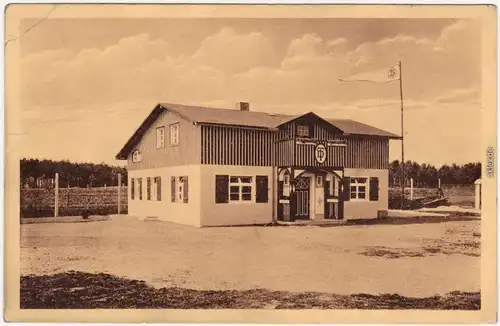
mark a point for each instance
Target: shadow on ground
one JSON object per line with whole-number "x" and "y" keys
{"x": 78, "y": 290}
{"x": 412, "y": 220}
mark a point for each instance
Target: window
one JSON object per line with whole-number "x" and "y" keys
{"x": 179, "y": 189}
{"x": 174, "y": 134}
{"x": 139, "y": 187}
{"x": 157, "y": 188}
{"x": 132, "y": 188}
{"x": 148, "y": 188}
{"x": 286, "y": 179}
{"x": 302, "y": 131}
{"x": 240, "y": 188}
{"x": 160, "y": 137}
{"x": 359, "y": 187}
{"x": 136, "y": 156}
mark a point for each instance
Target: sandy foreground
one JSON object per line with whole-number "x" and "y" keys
{"x": 416, "y": 260}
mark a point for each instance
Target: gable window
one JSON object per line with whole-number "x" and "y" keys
{"x": 136, "y": 156}
{"x": 160, "y": 137}
{"x": 302, "y": 131}
{"x": 359, "y": 188}
{"x": 174, "y": 134}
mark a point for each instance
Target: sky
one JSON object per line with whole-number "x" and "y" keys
{"x": 87, "y": 84}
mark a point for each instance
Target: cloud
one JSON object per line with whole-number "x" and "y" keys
{"x": 233, "y": 52}
{"x": 119, "y": 84}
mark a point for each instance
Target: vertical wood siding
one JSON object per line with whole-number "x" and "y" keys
{"x": 285, "y": 152}
{"x": 305, "y": 155}
{"x": 222, "y": 145}
{"x": 365, "y": 153}
{"x": 225, "y": 145}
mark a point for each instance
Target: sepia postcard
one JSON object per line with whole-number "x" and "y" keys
{"x": 250, "y": 163}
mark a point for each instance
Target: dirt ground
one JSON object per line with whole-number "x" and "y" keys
{"x": 416, "y": 260}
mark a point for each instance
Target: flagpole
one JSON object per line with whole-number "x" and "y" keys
{"x": 402, "y": 137}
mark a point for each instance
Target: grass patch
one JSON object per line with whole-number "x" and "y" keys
{"x": 390, "y": 253}
{"x": 79, "y": 290}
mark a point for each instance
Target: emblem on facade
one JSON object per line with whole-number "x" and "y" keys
{"x": 320, "y": 153}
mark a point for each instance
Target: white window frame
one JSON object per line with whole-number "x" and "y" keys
{"x": 302, "y": 131}
{"x": 179, "y": 193}
{"x": 160, "y": 137}
{"x": 240, "y": 184}
{"x": 354, "y": 182}
{"x": 136, "y": 156}
{"x": 174, "y": 134}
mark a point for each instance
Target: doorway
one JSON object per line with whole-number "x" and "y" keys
{"x": 301, "y": 198}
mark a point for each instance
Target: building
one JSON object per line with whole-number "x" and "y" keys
{"x": 210, "y": 167}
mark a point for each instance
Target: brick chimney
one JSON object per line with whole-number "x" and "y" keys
{"x": 243, "y": 106}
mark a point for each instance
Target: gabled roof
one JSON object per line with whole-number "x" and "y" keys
{"x": 351, "y": 127}
{"x": 198, "y": 114}
{"x": 251, "y": 119}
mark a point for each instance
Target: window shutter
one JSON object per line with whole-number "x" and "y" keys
{"x": 140, "y": 188}
{"x": 186, "y": 192}
{"x": 148, "y": 188}
{"x": 172, "y": 189}
{"x": 346, "y": 189}
{"x": 262, "y": 191}
{"x": 221, "y": 188}
{"x": 158, "y": 189}
{"x": 374, "y": 189}
{"x": 132, "y": 188}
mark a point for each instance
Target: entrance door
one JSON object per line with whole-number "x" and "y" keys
{"x": 319, "y": 197}
{"x": 302, "y": 198}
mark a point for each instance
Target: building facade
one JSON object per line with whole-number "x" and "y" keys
{"x": 212, "y": 167}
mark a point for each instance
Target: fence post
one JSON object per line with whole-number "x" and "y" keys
{"x": 119, "y": 192}
{"x": 56, "y": 193}
{"x": 477, "y": 194}
{"x": 411, "y": 188}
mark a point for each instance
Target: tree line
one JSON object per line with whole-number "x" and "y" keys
{"x": 427, "y": 176}
{"x": 35, "y": 173}
{"x": 40, "y": 173}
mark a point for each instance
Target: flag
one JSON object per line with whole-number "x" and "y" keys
{"x": 385, "y": 75}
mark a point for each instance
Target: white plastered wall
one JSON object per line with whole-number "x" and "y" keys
{"x": 166, "y": 210}
{"x": 234, "y": 213}
{"x": 361, "y": 209}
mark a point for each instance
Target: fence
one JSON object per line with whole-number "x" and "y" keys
{"x": 40, "y": 202}
{"x": 461, "y": 195}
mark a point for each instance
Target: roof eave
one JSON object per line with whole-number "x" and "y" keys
{"x": 237, "y": 125}
{"x": 388, "y": 136}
